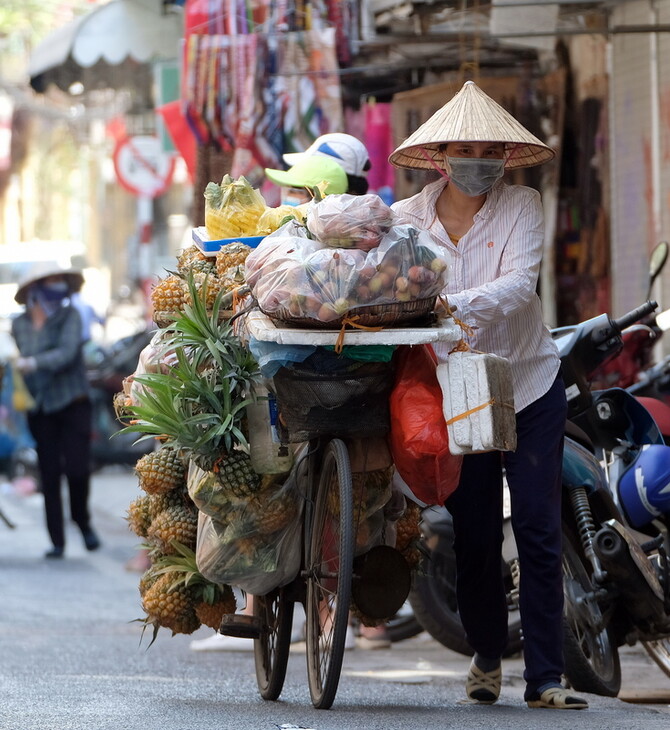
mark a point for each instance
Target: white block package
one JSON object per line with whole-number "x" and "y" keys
{"x": 478, "y": 402}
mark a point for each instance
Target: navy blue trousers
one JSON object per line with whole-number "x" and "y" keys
{"x": 534, "y": 476}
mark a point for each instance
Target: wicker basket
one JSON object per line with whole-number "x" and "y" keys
{"x": 377, "y": 315}
{"x": 348, "y": 404}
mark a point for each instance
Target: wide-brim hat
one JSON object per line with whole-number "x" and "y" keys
{"x": 310, "y": 172}
{"x": 471, "y": 116}
{"x": 42, "y": 270}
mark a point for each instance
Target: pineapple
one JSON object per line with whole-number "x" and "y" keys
{"x": 177, "y": 523}
{"x": 167, "y": 298}
{"x": 171, "y": 606}
{"x": 273, "y": 514}
{"x": 274, "y": 218}
{"x": 211, "y": 613}
{"x": 179, "y": 572}
{"x": 207, "y": 286}
{"x": 120, "y": 402}
{"x": 231, "y": 255}
{"x": 191, "y": 257}
{"x": 232, "y": 208}
{"x": 158, "y": 503}
{"x": 232, "y": 278}
{"x": 408, "y": 534}
{"x": 161, "y": 471}
{"x": 146, "y": 581}
{"x": 235, "y": 474}
{"x": 139, "y": 515}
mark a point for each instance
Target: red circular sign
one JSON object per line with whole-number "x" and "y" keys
{"x": 142, "y": 167}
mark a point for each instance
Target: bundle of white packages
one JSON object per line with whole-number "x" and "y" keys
{"x": 478, "y": 402}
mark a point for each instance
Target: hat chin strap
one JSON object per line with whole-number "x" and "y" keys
{"x": 432, "y": 162}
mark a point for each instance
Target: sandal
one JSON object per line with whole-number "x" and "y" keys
{"x": 558, "y": 698}
{"x": 483, "y": 687}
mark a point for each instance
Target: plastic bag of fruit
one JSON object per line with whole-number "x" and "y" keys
{"x": 297, "y": 278}
{"x": 293, "y": 276}
{"x": 253, "y": 544}
{"x": 406, "y": 266}
{"x": 291, "y": 242}
{"x": 350, "y": 221}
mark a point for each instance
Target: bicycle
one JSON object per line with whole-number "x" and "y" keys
{"x": 327, "y": 573}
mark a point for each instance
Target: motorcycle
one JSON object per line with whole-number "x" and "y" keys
{"x": 433, "y": 593}
{"x": 616, "y": 524}
{"x": 106, "y": 369}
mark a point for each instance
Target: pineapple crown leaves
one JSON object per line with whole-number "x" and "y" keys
{"x": 197, "y": 410}
{"x": 185, "y": 569}
{"x": 214, "y": 195}
{"x": 211, "y": 341}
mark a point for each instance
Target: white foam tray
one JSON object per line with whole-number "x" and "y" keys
{"x": 261, "y": 327}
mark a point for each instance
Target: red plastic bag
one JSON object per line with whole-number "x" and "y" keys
{"x": 419, "y": 439}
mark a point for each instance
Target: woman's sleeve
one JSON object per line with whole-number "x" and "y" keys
{"x": 66, "y": 351}
{"x": 515, "y": 286}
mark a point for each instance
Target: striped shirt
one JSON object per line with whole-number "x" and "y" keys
{"x": 492, "y": 281}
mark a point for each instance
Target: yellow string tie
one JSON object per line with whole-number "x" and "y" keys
{"x": 352, "y": 321}
{"x": 481, "y": 407}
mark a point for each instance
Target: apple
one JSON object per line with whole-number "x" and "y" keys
{"x": 326, "y": 313}
{"x": 438, "y": 265}
{"x": 401, "y": 284}
{"x": 341, "y": 306}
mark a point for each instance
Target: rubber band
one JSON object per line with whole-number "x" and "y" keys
{"x": 352, "y": 321}
{"x": 488, "y": 403}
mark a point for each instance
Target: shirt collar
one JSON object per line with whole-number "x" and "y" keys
{"x": 433, "y": 190}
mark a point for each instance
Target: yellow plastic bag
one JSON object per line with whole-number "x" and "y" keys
{"x": 21, "y": 398}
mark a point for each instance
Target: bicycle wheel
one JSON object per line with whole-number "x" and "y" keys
{"x": 271, "y": 649}
{"x": 329, "y": 567}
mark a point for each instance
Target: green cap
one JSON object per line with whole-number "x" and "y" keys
{"x": 309, "y": 172}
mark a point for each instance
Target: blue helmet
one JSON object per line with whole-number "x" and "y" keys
{"x": 644, "y": 489}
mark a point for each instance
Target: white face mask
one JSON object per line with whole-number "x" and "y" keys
{"x": 473, "y": 175}
{"x": 292, "y": 200}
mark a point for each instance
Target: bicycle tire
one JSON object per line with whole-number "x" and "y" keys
{"x": 271, "y": 649}
{"x": 329, "y": 571}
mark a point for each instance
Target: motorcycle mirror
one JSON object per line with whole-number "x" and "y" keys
{"x": 656, "y": 263}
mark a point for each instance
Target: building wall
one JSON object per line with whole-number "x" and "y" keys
{"x": 640, "y": 149}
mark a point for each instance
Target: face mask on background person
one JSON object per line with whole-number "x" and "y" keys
{"x": 53, "y": 291}
{"x": 292, "y": 200}
{"x": 474, "y": 175}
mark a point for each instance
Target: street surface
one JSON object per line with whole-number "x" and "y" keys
{"x": 71, "y": 657}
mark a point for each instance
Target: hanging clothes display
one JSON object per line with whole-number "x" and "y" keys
{"x": 257, "y": 91}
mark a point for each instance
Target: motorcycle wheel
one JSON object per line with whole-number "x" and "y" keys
{"x": 659, "y": 651}
{"x": 433, "y": 599}
{"x": 591, "y": 656}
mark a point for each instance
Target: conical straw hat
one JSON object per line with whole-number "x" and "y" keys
{"x": 471, "y": 116}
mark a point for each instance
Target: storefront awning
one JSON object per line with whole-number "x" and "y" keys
{"x": 119, "y": 35}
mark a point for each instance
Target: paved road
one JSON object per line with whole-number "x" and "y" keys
{"x": 71, "y": 659}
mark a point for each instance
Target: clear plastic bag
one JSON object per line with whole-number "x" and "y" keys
{"x": 253, "y": 544}
{"x": 350, "y": 221}
{"x": 300, "y": 279}
{"x": 154, "y": 358}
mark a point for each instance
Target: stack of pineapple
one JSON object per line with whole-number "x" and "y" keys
{"x": 197, "y": 413}
{"x": 174, "y": 593}
{"x": 210, "y": 274}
